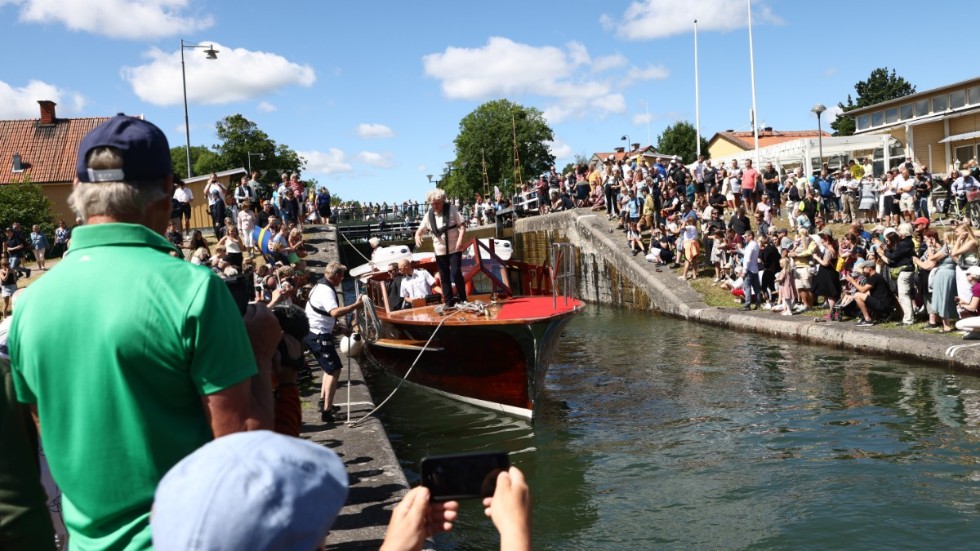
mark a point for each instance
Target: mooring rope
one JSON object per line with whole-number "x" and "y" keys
{"x": 471, "y": 307}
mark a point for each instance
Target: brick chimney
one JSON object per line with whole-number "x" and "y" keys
{"x": 47, "y": 111}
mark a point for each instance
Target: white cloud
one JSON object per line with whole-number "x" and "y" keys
{"x": 129, "y": 19}
{"x": 326, "y": 162}
{"x": 642, "y": 118}
{"x": 560, "y": 149}
{"x": 379, "y": 160}
{"x": 578, "y": 53}
{"x": 370, "y": 131}
{"x": 267, "y": 107}
{"x": 652, "y": 72}
{"x": 236, "y": 75}
{"x": 833, "y": 111}
{"x": 608, "y": 62}
{"x": 651, "y": 19}
{"x": 21, "y": 103}
{"x": 420, "y": 168}
{"x": 829, "y": 72}
{"x": 504, "y": 68}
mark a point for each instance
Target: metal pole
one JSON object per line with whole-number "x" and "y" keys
{"x": 755, "y": 112}
{"x": 697, "y": 97}
{"x": 820, "y": 139}
{"x": 250, "y": 164}
{"x": 187, "y": 123}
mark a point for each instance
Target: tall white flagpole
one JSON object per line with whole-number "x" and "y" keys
{"x": 697, "y": 97}
{"x": 755, "y": 113}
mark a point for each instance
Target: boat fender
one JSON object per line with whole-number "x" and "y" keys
{"x": 352, "y": 345}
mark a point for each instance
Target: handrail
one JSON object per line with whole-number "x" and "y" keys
{"x": 562, "y": 272}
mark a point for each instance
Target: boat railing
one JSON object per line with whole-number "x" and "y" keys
{"x": 563, "y": 272}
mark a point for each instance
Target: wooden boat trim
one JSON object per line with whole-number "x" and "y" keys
{"x": 407, "y": 344}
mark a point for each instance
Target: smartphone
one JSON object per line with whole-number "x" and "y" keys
{"x": 463, "y": 476}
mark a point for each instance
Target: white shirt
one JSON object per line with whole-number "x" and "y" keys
{"x": 183, "y": 194}
{"x": 904, "y": 186}
{"x": 444, "y": 243}
{"x": 209, "y": 193}
{"x": 750, "y": 257}
{"x": 323, "y": 297}
{"x": 417, "y": 285}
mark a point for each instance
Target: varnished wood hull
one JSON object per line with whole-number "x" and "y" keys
{"x": 491, "y": 362}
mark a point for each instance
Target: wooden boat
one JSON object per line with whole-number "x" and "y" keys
{"x": 493, "y": 353}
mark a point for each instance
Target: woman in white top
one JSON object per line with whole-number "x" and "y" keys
{"x": 233, "y": 246}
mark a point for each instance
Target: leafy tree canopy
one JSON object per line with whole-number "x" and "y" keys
{"x": 24, "y": 202}
{"x": 238, "y": 137}
{"x": 488, "y": 134}
{"x": 681, "y": 139}
{"x": 881, "y": 85}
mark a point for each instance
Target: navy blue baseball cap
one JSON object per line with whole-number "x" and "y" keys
{"x": 143, "y": 147}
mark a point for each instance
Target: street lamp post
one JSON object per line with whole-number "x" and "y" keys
{"x": 261, "y": 157}
{"x": 211, "y": 54}
{"x": 819, "y": 109}
{"x": 626, "y": 138}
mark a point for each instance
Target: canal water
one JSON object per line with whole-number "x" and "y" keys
{"x": 654, "y": 433}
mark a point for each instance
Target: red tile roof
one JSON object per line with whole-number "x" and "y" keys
{"x": 746, "y": 140}
{"x": 47, "y": 151}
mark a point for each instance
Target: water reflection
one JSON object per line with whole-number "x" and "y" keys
{"x": 655, "y": 433}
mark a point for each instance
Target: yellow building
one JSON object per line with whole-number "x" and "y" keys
{"x": 730, "y": 142}
{"x": 938, "y": 127}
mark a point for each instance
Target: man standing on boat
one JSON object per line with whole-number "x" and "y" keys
{"x": 448, "y": 230}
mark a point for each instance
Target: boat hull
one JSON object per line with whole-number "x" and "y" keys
{"x": 498, "y": 364}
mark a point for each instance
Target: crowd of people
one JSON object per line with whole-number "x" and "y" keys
{"x": 888, "y": 260}
{"x": 162, "y": 397}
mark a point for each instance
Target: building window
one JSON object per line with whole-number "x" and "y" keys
{"x": 974, "y": 95}
{"x": 965, "y": 153}
{"x": 957, "y": 99}
{"x": 905, "y": 112}
{"x": 891, "y": 115}
{"x": 864, "y": 121}
{"x": 877, "y": 118}
{"x": 940, "y": 103}
{"x": 921, "y": 107}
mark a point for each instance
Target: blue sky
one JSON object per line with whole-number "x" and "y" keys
{"x": 371, "y": 94}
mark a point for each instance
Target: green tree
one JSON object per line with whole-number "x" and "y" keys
{"x": 881, "y": 85}
{"x": 488, "y": 133}
{"x": 681, "y": 139}
{"x": 580, "y": 160}
{"x": 178, "y": 156}
{"x": 238, "y": 137}
{"x": 24, "y": 202}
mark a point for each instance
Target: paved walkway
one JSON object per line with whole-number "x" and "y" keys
{"x": 377, "y": 482}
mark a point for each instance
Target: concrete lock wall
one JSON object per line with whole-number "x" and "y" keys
{"x": 607, "y": 273}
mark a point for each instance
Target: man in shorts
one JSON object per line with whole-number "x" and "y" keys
{"x": 184, "y": 196}
{"x": 323, "y": 309}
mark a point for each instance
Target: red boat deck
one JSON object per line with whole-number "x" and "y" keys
{"x": 508, "y": 310}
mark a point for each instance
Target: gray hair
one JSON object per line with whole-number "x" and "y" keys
{"x": 333, "y": 268}
{"x": 120, "y": 200}
{"x": 435, "y": 195}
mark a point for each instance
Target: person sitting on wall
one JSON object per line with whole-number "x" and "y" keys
{"x": 970, "y": 324}
{"x": 873, "y": 297}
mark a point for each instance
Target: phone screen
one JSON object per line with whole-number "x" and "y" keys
{"x": 464, "y": 475}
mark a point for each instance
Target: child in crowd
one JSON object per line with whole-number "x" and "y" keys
{"x": 786, "y": 279}
{"x": 719, "y": 255}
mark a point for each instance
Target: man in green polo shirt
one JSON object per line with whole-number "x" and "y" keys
{"x": 130, "y": 357}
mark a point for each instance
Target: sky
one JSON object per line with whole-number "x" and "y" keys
{"x": 371, "y": 94}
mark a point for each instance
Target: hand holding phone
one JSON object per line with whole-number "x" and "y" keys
{"x": 463, "y": 476}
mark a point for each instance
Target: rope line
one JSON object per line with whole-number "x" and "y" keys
{"x": 473, "y": 307}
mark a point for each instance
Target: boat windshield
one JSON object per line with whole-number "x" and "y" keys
{"x": 485, "y": 270}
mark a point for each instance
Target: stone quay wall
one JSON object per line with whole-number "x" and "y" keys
{"x": 607, "y": 273}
